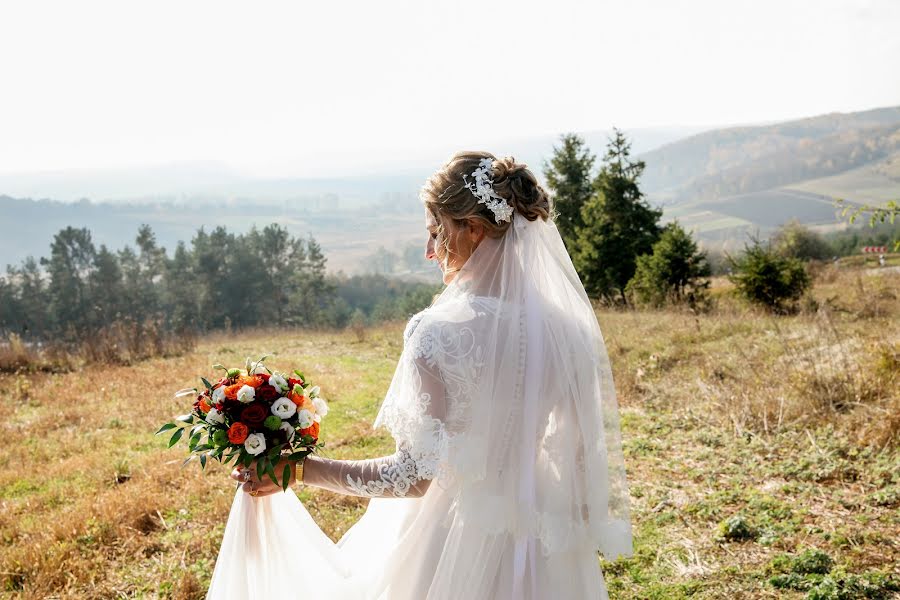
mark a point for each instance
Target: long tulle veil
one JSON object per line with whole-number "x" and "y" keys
{"x": 524, "y": 452}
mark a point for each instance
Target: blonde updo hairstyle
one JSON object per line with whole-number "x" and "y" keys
{"x": 447, "y": 197}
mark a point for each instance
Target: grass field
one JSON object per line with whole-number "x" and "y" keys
{"x": 762, "y": 453}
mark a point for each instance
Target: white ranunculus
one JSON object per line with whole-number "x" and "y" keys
{"x": 283, "y": 408}
{"x": 255, "y": 443}
{"x": 278, "y": 382}
{"x": 304, "y": 419}
{"x": 289, "y": 430}
{"x": 321, "y": 408}
{"x": 218, "y": 394}
{"x": 214, "y": 416}
{"x": 246, "y": 394}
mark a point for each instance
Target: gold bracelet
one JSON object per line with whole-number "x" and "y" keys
{"x": 298, "y": 470}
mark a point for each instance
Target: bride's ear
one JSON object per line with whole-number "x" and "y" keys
{"x": 475, "y": 231}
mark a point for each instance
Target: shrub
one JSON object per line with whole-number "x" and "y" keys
{"x": 735, "y": 529}
{"x": 766, "y": 278}
{"x": 794, "y": 240}
{"x": 673, "y": 274}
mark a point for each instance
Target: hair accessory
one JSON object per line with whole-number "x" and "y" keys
{"x": 483, "y": 189}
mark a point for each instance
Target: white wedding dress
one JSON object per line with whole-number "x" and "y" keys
{"x": 507, "y": 477}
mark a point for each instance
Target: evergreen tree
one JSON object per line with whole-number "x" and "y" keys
{"x": 151, "y": 267}
{"x": 764, "y": 277}
{"x": 25, "y": 306}
{"x": 180, "y": 291}
{"x": 70, "y": 264}
{"x": 106, "y": 287}
{"x": 673, "y": 273}
{"x": 568, "y": 176}
{"x": 618, "y": 224}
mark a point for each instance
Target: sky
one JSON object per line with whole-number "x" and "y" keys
{"x": 323, "y": 88}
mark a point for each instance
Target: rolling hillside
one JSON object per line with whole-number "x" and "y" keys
{"x": 726, "y": 182}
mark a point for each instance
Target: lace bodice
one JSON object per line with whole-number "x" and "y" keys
{"x": 426, "y": 405}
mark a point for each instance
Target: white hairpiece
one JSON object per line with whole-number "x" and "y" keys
{"x": 483, "y": 189}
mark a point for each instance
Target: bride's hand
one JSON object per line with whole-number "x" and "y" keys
{"x": 256, "y": 488}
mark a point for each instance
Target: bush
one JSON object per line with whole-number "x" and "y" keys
{"x": 766, "y": 278}
{"x": 673, "y": 274}
{"x": 794, "y": 240}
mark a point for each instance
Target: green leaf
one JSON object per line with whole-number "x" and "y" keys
{"x": 206, "y": 383}
{"x": 188, "y": 418}
{"x": 270, "y": 471}
{"x": 261, "y": 467}
{"x": 175, "y": 437}
{"x": 286, "y": 477}
{"x": 166, "y": 428}
{"x": 195, "y": 439}
{"x": 203, "y": 461}
{"x": 298, "y": 455}
{"x": 187, "y": 460}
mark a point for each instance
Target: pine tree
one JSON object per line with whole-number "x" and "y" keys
{"x": 106, "y": 287}
{"x": 181, "y": 299}
{"x": 70, "y": 265}
{"x": 674, "y": 273}
{"x": 618, "y": 224}
{"x": 766, "y": 278}
{"x": 568, "y": 176}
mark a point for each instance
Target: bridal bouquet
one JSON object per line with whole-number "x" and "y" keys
{"x": 251, "y": 414}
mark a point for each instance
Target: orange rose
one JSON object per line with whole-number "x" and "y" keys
{"x": 238, "y": 433}
{"x": 204, "y": 405}
{"x": 296, "y": 399}
{"x": 312, "y": 430}
{"x": 232, "y": 390}
{"x": 253, "y": 381}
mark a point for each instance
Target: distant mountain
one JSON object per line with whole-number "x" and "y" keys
{"x": 742, "y": 159}
{"x": 205, "y": 182}
{"x": 727, "y": 182}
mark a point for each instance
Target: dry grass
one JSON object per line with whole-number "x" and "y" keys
{"x": 119, "y": 343}
{"x": 789, "y": 423}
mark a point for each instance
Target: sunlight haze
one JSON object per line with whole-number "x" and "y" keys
{"x": 315, "y": 89}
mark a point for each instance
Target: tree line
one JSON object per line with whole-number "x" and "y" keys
{"x": 220, "y": 280}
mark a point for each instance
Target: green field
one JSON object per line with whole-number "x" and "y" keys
{"x": 762, "y": 454}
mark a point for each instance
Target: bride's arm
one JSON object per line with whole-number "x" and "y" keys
{"x": 394, "y": 475}
{"x": 406, "y": 473}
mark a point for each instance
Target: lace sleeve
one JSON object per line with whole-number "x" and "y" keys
{"x": 395, "y": 475}
{"x": 414, "y": 411}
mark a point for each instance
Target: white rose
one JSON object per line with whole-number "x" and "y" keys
{"x": 283, "y": 408}
{"x": 321, "y": 408}
{"x": 255, "y": 443}
{"x": 304, "y": 419}
{"x": 218, "y": 394}
{"x": 289, "y": 430}
{"x": 246, "y": 394}
{"x": 279, "y": 383}
{"x": 214, "y": 416}
{"x": 313, "y": 391}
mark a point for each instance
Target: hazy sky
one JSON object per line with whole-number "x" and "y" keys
{"x": 302, "y": 87}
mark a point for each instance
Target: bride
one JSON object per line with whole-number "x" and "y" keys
{"x": 508, "y": 475}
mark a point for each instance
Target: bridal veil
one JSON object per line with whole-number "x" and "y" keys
{"x": 503, "y": 399}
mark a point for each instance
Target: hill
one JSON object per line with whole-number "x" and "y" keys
{"x": 726, "y": 182}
